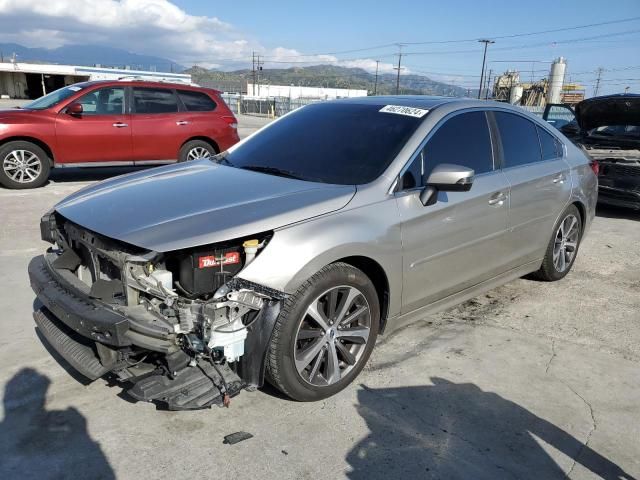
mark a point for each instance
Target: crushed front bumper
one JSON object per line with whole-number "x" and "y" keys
{"x": 62, "y": 294}
{"x": 90, "y": 335}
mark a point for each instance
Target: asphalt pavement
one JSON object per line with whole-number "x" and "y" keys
{"x": 532, "y": 380}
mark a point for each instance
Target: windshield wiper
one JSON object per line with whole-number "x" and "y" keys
{"x": 272, "y": 171}
{"x": 222, "y": 159}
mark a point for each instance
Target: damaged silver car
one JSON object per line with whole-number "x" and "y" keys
{"x": 283, "y": 258}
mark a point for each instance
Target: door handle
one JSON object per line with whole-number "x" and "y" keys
{"x": 120, "y": 125}
{"x": 560, "y": 178}
{"x": 182, "y": 122}
{"x": 498, "y": 199}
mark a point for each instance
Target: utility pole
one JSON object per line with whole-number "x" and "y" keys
{"x": 375, "y": 85}
{"x": 484, "y": 59}
{"x": 253, "y": 73}
{"x": 258, "y": 70}
{"x": 398, "y": 68}
{"x": 597, "y": 87}
{"x": 486, "y": 95}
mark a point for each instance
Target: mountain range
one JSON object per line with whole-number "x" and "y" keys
{"x": 88, "y": 55}
{"x": 330, "y": 76}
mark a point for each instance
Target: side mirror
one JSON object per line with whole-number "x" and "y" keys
{"x": 446, "y": 177}
{"x": 74, "y": 109}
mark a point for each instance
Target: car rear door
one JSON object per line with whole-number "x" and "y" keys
{"x": 159, "y": 126}
{"x": 459, "y": 241}
{"x": 540, "y": 180}
{"x": 101, "y": 134}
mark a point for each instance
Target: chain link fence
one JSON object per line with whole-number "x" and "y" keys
{"x": 264, "y": 107}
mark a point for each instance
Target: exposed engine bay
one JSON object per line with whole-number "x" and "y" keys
{"x": 191, "y": 335}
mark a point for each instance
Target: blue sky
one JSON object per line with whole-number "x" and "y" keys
{"x": 285, "y": 33}
{"x": 331, "y": 26}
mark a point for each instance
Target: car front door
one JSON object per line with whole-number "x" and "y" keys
{"x": 101, "y": 134}
{"x": 458, "y": 241}
{"x": 532, "y": 161}
{"x": 159, "y": 126}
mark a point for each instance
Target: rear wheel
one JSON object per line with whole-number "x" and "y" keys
{"x": 195, "y": 150}
{"x": 563, "y": 247}
{"x": 23, "y": 165}
{"x": 325, "y": 334}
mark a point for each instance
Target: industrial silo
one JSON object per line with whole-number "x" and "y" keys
{"x": 556, "y": 80}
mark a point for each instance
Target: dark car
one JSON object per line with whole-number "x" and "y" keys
{"x": 608, "y": 129}
{"x": 109, "y": 123}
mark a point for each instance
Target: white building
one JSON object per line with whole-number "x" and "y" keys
{"x": 264, "y": 91}
{"x": 32, "y": 80}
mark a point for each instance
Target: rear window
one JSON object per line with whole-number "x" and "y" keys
{"x": 340, "y": 143}
{"x": 548, "y": 144}
{"x": 154, "y": 100}
{"x": 196, "y": 101}
{"x": 520, "y": 143}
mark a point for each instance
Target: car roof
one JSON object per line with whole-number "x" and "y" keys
{"x": 416, "y": 101}
{"x": 146, "y": 83}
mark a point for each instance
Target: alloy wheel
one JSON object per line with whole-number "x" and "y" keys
{"x": 566, "y": 243}
{"x": 197, "y": 153}
{"x": 22, "y": 166}
{"x": 332, "y": 335}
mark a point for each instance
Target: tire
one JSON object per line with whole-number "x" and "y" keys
{"x": 553, "y": 268}
{"x": 23, "y": 165}
{"x": 296, "y": 332}
{"x": 195, "y": 149}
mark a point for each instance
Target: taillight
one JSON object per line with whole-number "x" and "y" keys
{"x": 231, "y": 121}
{"x": 595, "y": 166}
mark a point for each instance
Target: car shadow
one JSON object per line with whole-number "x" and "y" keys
{"x": 70, "y": 174}
{"x": 37, "y": 443}
{"x": 608, "y": 211}
{"x": 459, "y": 431}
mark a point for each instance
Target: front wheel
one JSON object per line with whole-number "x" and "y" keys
{"x": 23, "y": 165}
{"x": 325, "y": 334}
{"x": 563, "y": 246}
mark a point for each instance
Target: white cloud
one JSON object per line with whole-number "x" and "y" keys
{"x": 151, "y": 27}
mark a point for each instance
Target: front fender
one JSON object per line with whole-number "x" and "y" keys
{"x": 298, "y": 251}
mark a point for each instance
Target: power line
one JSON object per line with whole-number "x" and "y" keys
{"x": 468, "y": 40}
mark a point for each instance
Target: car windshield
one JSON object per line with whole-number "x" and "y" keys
{"x": 334, "y": 142}
{"x": 52, "y": 98}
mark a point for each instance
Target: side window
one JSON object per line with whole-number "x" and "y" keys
{"x": 104, "y": 101}
{"x": 463, "y": 140}
{"x": 520, "y": 144}
{"x": 154, "y": 100}
{"x": 548, "y": 144}
{"x": 412, "y": 177}
{"x": 196, "y": 101}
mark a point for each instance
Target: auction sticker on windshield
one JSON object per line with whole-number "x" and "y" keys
{"x": 400, "y": 110}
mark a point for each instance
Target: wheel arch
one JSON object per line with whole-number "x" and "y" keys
{"x": 208, "y": 140}
{"x": 35, "y": 141}
{"x": 378, "y": 277}
{"x": 583, "y": 212}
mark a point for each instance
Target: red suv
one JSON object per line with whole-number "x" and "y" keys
{"x": 108, "y": 123}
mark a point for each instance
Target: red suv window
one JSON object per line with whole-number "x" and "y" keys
{"x": 154, "y": 100}
{"x": 196, "y": 101}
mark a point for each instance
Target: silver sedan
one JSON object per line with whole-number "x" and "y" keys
{"x": 286, "y": 256}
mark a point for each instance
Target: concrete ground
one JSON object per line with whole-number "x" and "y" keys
{"x": 533, "y": 380}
